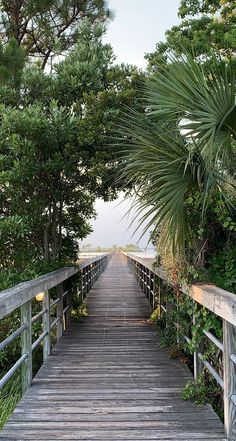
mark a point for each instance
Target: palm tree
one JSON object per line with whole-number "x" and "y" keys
{"x": 184, "y": 142}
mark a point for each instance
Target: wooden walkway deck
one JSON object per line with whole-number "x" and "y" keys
{"x": 108, "y": 379}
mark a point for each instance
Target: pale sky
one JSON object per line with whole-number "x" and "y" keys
{"x": 138, "y": 25}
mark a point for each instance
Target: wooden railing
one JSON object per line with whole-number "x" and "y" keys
{"x": 55, "y": 313}
{"x": 219, "y": 302}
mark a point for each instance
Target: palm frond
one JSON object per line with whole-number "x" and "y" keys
{"x": 180, "y": 144}
{"x": 205, "y": 103}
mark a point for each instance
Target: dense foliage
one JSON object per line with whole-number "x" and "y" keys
{"x": 181, "y": 158}
{"x": 57, "y": 153}
{"x": 206, "y": 27}
{"x": 56, "y": 150}
{"x": 181, "y": 155}
{"x": 47, "y": 28}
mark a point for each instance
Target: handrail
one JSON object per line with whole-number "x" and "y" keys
{"x": 220, "y": 302}
{"x": 217, "y": 300}
{"x": 12, "y": 298}
{"x": 54, "y": 312}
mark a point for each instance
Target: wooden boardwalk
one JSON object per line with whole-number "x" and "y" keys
{"x": 108, "y": 380}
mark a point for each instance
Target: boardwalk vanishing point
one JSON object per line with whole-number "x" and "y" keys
{"x": 108, "y": 379}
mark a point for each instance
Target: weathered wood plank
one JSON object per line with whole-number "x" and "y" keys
{"x": 108, "y": 379}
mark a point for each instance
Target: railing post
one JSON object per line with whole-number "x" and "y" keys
{"x": 152, "y": 289}
{"x": 87, "y": 280}
{"x": 82, "y": 285}
{"x": 140, "y": 275}
{"x": 145, "y": 281}
{"x": 167, "y": 308}
{"x": 92, "y": 274}
{"x": 89, "y": 277}
{"x": 229, "y": 342}
{"x": 198, "y": 365}
{"x": 159, "y": 296}
{"x": 102, "y": 264}
{"x": 148, "y": 284}
{"x": 26, "y": 345}
{"x": 46, "y": 326}
{"x": 60, "y": 311}
{"x": 68, "y": 302}
{"x": 177, "y": 321}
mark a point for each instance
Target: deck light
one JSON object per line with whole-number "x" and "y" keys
{"x": 40, "y": 296}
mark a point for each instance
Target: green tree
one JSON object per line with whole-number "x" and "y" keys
{"x": 206, "y": 26}
{"x": 57, "y": 150}
{"x": 131, "y": 247}
{"x": 46, "y": 28}
{"x": 183, "y": 148}
{"x": 12, "y": 61}
{"x": 44, "y": 205}
{"x": 86, "y": 247}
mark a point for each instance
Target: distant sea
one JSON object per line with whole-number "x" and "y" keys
{"x": 145, "y": 254}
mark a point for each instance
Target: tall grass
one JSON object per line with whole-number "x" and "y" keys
{"x": 9, "y": 397}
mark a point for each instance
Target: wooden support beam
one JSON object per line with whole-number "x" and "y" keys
{"x": 26, "y": 345}
{"x": 197, "y": 362}
{"x": 68, "y": 301}
{"x": 60, "y": 291}
{"x": 229, "y": 339}
{"x": 46, "y": 326}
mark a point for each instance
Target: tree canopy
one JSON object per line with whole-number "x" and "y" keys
{"x": 57, "y": 150}
{"x": 206, "y": 27}
{"x": 181, "y": 155}
{"x": 12, "y": 60}
{"x": 46, "y": 28}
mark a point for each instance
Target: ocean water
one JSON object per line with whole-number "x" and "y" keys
{"x": 145, "y": 254}
{"x": 90, "y": 254}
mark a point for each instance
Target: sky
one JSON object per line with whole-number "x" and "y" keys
{"x": 137, "y": 26}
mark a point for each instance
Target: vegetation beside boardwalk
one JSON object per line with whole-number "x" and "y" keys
{"x": 180, "y": 156}
{"x": 58, "y": 152}
{"x": 60, "y": 92}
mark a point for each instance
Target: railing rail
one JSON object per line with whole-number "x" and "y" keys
{"x": 219, "y": 302}
{"x": 54, "y": 313}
